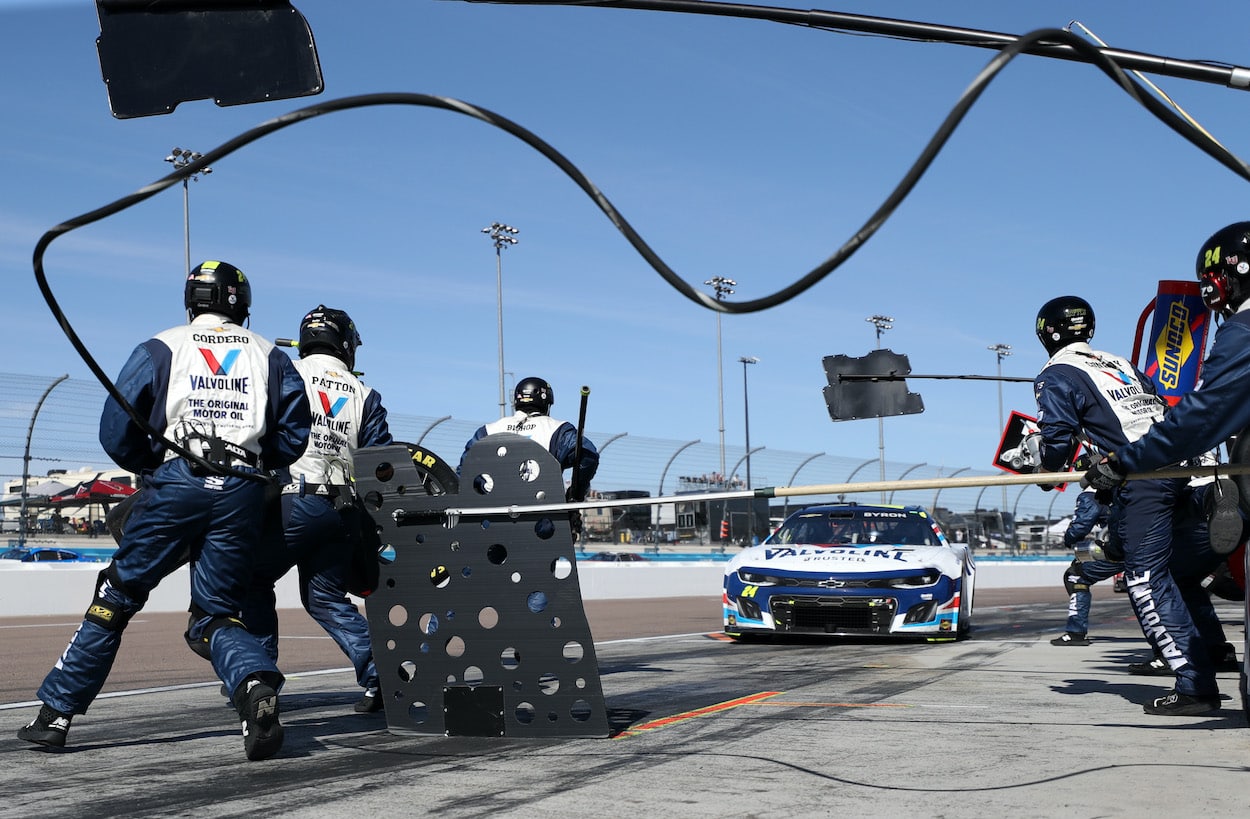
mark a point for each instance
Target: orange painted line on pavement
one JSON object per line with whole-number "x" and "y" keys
{"x": 698, "y": 712}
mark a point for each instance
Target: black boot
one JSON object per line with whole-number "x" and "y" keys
{"x": 257, "y": 704}
{"x": 49, "y": 728}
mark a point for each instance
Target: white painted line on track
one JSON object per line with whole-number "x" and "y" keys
{"x": 8, "y": 706}
{"x": 191, "y": 686}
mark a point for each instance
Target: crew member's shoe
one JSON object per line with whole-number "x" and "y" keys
{"x": 1176, "y": 704}
{"x": 1224, "y": 521}
{"x": 258, "y": 710}
{"x": 49, "y": 728}
{"x": 370, "y": 703}
{"x": 1157, "y": 667}
{"x": 1070, "y": 638}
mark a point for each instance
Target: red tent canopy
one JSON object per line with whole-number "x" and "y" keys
{"x": 95, "y": 491}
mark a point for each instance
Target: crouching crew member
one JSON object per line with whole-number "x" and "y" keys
{"x": 320, "y": 520}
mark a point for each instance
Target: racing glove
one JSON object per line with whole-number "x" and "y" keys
{"x": 1033, "y": 443}
{"x": 1107, "y": 474}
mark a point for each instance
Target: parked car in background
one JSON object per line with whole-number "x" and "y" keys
{"x": 852, "y": 569}
{"x": 45, "y": 555}
{"x": 615, "y": 557}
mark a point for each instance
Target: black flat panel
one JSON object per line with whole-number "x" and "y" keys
{"x": 154, "y": 55}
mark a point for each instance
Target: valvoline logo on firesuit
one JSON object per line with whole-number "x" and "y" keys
{"x": 331, "y": 409}
{"x": 1143, "y": 601}
{"x": 222, "y": 366}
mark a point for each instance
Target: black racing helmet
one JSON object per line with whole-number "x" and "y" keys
{"x": 1064, "y": 320}
{"x": 329, "y": 331}
{"x": 1223, "y": 268}
{"x": 533, "y": 395}
{"x": 218, "y": 287}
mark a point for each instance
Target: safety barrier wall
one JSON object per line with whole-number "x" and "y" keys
{"x": 65, "y": 589}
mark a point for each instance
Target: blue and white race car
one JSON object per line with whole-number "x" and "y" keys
{"x": 852, "y": 569}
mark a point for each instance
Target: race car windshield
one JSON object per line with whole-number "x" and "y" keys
{"x": 826, "y": 529}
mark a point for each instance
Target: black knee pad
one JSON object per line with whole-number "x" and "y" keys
{"x": 201, "y": 646}
{"x": 108, "y": 614}
{"x": 1073, "y": 580}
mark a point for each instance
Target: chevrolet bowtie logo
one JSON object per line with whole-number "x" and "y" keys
{"x": 831, "y": 583}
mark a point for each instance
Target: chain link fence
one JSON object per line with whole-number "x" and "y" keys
{"x": 63, "y": 436}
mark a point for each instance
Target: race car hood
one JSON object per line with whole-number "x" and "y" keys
{"x": 845, "y": 559}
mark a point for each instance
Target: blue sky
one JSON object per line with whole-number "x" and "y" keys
{"x": 736, "y": 148}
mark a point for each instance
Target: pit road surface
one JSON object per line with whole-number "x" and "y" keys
{"x": 1003, "y": 724}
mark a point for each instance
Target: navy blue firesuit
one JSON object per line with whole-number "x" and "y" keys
{"x": 1192, "y": 561}
{"x": 1078, "y": 577}
{"x": 319, "y": 520}
{"x": 201, "y": 384}
{"x": 1084, "y": 394}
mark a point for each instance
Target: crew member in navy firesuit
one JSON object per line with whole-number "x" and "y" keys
{"x": 1085, "y": 394}
{"x": 1219, "y": 407}
{"x": 225, "y": 394}
{"x": 1082, "y": 574}
{"x": 532, "y": 400}
{"x": 1194, "y": 565}
{"x": 319, "y": 519}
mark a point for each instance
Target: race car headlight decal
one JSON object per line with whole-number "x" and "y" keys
{"x": 749, "y": 609}
{"x": 759, "y": 579}
{"x": 926, "y": 578}
{"x": 920, "y": 613}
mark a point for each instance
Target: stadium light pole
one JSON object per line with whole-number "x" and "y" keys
{"x": 1000, "y": 352}
{"x": 881, "y": 323}
{"x": 30, "y": 431}
{"x": 503, "y": 236}
{"x": 723, "y": 287}
{"x": 746, "y": 417}
{"x": 181, "y": 158}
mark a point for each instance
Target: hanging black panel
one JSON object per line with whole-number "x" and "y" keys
{"x": 155, "y": 54}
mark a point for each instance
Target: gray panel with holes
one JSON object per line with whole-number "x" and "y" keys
{"x": 478, "y": 626}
